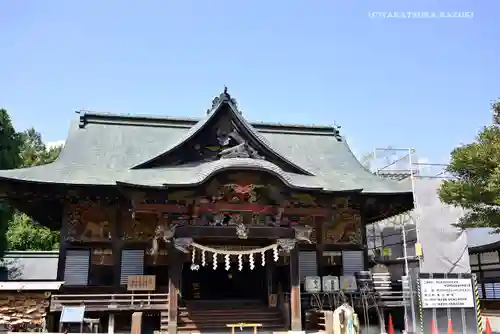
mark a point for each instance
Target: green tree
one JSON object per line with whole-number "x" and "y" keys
{"x": 33, "y": 150}
{"x": 476, "y": 168}
{"x": 9, "y": 158}
{"x": 23, "y": 233}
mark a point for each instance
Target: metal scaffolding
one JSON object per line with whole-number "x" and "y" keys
{"x": 394, "y": 241}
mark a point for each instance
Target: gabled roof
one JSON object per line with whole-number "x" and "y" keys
{"x": 225, "y": 100}
{"x": 106, "y": 149}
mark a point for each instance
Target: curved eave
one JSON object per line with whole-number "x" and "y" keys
{"x": 201, "y": 125}
{"x": 374, "y": 184}
{"x": 482, "y": 239}
{"x": 485, "y": 248}
{"x": 195, "y": 175}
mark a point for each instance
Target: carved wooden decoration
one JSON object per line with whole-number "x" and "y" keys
{"x": 138, "y": 226}
{"x": 344, "y": 228}
{"x": 160, "y": 259}
{"x": 305, "y": 229}
{"x": 102, "y": 257}
{"x": 90, "y": 222}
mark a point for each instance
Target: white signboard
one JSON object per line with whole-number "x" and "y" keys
{"x": 447, "y": 293}
{"x": 348, "y": 283}
{"x": 312, "y": 284}
{"x": 330, "y": 283}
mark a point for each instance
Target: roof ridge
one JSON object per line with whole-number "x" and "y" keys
{"x": 87, "y": 117}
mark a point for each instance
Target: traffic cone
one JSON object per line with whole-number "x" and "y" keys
{"x": 450, "y": 327}
{"x": 390, "y": 326}
{"x": 488, "y": 327}
{"x": 433, "y": 328}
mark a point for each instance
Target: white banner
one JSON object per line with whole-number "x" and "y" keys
{"x": 447, "y": 292}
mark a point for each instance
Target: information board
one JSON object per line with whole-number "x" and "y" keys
{"x": 447, "y": 293}
{"x": 141, "y": 283}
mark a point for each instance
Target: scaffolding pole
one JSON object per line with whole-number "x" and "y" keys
{"x": 400, "y": 164}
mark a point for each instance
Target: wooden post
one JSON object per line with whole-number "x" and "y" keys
{"x": 136, "y": 323}
{"x": 364, "y": 239}
{"x": 111, "y": 323}
{"x": 270, "y": 276}
{"x": 295, "y": 308}
{"x": 63, "y": 244}
{"x": 174, "y": 281}
{"x": 117, "y": 247}
{"x": 319, "y": 223}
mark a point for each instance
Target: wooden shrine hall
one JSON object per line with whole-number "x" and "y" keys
{"x": 172, "y": 217}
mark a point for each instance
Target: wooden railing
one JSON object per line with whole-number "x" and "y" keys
{"x": 107, "y": 302}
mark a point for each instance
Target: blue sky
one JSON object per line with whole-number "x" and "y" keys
{"x": 423, "y": 83}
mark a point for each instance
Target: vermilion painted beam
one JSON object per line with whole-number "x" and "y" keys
{"x": 230, "y": 207}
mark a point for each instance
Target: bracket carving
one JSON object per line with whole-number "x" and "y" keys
{"x": 286, "y": 244}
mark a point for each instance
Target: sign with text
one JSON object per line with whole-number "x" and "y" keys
{"x": 141, "y": 283}
{"x": 312, "y": 284}
{"x": 447, "y": 293}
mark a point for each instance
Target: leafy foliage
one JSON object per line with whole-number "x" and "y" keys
{"x": 476, "y": 167}
{"x": 24, "y": 234}
{"x": 26, "y": 149}
{"x": 33, "y": 150}
{"x": 9, "y": 158}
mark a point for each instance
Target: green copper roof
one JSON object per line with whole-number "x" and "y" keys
{"x": 106, "y": 149}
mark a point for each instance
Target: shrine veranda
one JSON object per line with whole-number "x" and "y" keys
{"x": 210, "y": 209}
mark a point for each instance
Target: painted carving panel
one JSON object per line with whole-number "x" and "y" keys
{"x": 345, "y": 227}
{"x": 139, "y": 226}
{"x": 90, "y": 222}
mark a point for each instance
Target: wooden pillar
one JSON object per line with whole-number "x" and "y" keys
{"x": 271, "y": 281}
{"x": 364, "y": 239}
{"x": 174, "y": 282}
{"x": 295, "y": 308}
{"x": 136, "y": 327}
{"x": 318, "y": 224}
{"x": 117, "y": 247}
{"x": 63, "y": 244}
{"x": 111, "y": 323}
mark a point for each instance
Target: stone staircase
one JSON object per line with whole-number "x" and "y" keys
{"x": 212, "y": 316}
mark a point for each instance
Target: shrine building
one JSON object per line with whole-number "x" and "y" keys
{"x": 166, "y": 217}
